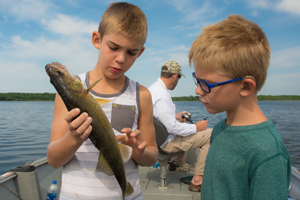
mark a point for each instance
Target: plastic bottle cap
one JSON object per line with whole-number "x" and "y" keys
{"x": 54, "y": 181}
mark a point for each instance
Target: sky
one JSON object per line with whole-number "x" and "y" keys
{"x": 34, "y": 33}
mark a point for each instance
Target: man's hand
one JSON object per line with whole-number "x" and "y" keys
{"x": 179, "y": 116}
{"x": 201, "y": 125}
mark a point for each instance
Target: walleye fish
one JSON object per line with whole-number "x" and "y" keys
{"x": 74, "y": 95}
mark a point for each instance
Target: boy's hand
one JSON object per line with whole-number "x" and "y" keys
{"x": 133, "y": 139}
{"x": 80, "y": 127}
{"x": 201, "y": 125}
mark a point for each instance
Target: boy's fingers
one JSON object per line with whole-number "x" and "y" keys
{"x": 143, "y": 145}
{"x": 82, "y": 128}
{"x": 86, "y": 134}
{"x": 135, "y": 133}
{"x": 70, "y": 115}
{"x": 121, "y": 138}
{"x": 80, "y": 120}
{"x": 126, "y": 130}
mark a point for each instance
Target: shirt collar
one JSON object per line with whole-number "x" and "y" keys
{"x": 162, "y": 83}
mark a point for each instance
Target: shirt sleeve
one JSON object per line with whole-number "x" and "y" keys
{"x": 165, "y": 112}
{"x": 270, "y": 180}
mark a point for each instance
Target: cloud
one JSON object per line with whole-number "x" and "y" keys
{"x": 281, "y": 84}
{"x": 290, "y": 6}
{"x": 181, "y": 5}
{"x": 286, "y": 58}
{"x": 157, "y": 58}
{"x": 25, "y": 10}
{"x": 28, "y": 58}
{"x": 5, "y": 20}
{"x": 23, "y": 61}
{"x": 266, "y": 4}
{"x": 72, "y": 40}
{"x": 194, "y": 13}
{"x": 69, "y": 25}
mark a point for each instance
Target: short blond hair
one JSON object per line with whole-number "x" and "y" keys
{"x": 125, "y": 18}
{"x": 236, "y": 47}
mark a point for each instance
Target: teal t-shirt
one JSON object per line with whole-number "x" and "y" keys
{"x": 246, "y": 163}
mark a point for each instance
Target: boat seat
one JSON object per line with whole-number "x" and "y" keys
{"x": 163, "y": 157}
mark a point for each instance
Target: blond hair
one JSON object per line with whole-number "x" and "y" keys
{"x": 125, "y": 18}
{"x": 236, "y": 47}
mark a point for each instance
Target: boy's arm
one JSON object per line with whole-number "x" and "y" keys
{"x": 270, "y": 180}
{"x": 67, "y": 134}
{"x": 142, "y": 140}
{"x": 146, "y": 126}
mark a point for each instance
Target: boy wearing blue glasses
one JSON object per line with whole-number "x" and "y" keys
{"x": 246, "y": 159}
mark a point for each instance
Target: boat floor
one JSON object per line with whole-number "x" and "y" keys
{"x": 150, "y": 182}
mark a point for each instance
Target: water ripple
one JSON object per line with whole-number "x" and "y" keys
{"x": 25, "y": 128}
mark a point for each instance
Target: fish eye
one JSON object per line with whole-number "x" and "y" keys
{"x": 58, "y": 73}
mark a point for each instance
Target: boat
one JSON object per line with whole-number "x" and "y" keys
{"x": 31, "y": 182}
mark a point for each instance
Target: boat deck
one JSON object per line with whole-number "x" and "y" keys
{"x": 150, "y": 181}
{"x": 177, "y": 190}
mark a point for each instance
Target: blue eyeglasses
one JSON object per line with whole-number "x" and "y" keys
{"x": 206, "y": 87}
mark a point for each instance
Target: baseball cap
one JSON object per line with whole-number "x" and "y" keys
{"x": 173, "y": 67}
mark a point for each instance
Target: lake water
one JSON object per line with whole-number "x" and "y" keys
{"x": 25, "y": 128}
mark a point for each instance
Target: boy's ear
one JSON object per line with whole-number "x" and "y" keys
{"x": 248, "y": 87}
{"x": 141, "y": 51}
{"x": 96, "y": 39}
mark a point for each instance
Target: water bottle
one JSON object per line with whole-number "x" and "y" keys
{"x": 52, "y": 191}
{"x": 155, "y": 165}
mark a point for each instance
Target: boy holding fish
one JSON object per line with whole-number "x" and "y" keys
{"x": 246, "y": 159}
{"x": 120, "y": 38}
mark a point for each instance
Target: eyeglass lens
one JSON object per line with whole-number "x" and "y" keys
{"x": 195, "y": 81}
{"x": 203, "y": 85}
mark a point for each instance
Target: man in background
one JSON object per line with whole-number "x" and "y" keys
{"x": 182, "y": 136}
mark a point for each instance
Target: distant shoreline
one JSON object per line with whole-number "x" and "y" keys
{"x": 15, "y": 96}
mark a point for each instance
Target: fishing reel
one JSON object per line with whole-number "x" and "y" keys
{"x": 188, "y": 116}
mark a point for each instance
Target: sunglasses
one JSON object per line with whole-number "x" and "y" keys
{"x": 179, "y": 76}
{"x": 206, "y": 87}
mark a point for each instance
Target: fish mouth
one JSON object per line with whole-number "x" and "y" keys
{"x": 55, "y": 66}
{"x": 48, "y": 69}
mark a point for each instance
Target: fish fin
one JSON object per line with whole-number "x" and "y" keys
{"x": 129, "y": 189}
{"x": 102, "y": 101}
{"x": 125, "y": 152}
{"x": 92, "y": 85}
{"x": 103, "y": 166}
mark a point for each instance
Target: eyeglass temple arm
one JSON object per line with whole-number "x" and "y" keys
{"x": 222, "y": 83}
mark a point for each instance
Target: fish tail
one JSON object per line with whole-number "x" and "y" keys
{"x": 129, "y": 189}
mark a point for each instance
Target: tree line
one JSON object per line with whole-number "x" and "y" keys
{"x": 51, "y": 96}
{"x": 27, "y": 96}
